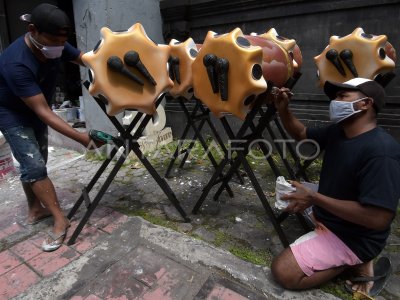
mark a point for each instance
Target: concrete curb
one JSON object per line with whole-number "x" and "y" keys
{"x": 186, "y": 250}
{"x": 197, "y": 251}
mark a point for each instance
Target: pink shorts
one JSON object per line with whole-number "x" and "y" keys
{"x": 320, "y": 250}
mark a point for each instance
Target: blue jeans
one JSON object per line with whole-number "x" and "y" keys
{"x": 29, "y": 147}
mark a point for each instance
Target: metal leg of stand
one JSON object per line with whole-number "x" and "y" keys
{"x": 191, "y": 145}
{"x": 263, "y": 199}
{"x": 210, "y": 184}
{"x": 185, "y": 132}
{"x": 197, "y": 135}
{"x": 221, "y": 142}
{"x": 131, "y": 143}
{"x": 160, "y": 181}
{"x": 97, "y": 199}
{"x": 91, "y": 183}
{"x": 232, "y": 170}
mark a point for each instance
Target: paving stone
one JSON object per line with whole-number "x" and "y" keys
{"x": 26, "y": 250}
{"x": 145, "y": 275}
{"x": 211, "y": 208}
{"x": 219, "y": 288}
{"x": 221, "y": 293}
{"x": 115, "y": 224}
{"x": 8, "y": 261}
{"x": 17, "y": 281}
{"x": 171, "y": 213}
{"x": 50, "y": 262}
{"x": 13, "y": 229}
{"x": 185, "y": 227}
{"x": 87, "y": 239}
{"x": 205, "y": 234}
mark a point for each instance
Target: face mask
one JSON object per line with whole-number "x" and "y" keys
{"x": 50, "y": 52}
{"x": 341, "y": 110}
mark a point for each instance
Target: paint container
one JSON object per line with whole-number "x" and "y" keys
{"x": 62, "y": 113}
{"x": 81, "y": 115}
{"x": 72, "y": 114}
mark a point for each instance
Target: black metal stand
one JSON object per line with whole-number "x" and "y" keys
{"x": 242, "y": 148}
{"x": 201, "y": 115}
{"x": 129, "y": 143}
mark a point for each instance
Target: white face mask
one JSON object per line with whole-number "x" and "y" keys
{"x": 50, "y": 52}
{"x": 341, "y": 110}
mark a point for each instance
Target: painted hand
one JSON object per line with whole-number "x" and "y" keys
{"x": 301, "y": 199}
{"x": 281, "y": 97}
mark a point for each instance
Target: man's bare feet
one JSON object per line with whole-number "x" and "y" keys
{"x": 37, "y": 215}
{"x": 362, "y": 270}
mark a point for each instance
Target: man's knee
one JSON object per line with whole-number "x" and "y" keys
{"x": 284, "y": 272}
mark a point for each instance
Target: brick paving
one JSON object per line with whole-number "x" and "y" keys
{"x": 105, "y": 264}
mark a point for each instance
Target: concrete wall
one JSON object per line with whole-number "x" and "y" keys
{"x": 310, "y": 23}
{"x": 90, "y": 17}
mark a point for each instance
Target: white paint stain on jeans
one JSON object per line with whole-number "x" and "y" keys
{"x": 30, "y": 155}
{"x": 23, "y": 136}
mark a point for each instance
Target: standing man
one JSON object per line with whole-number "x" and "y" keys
{"x": 28, "y": 71}
{"x": 358, "y": 191}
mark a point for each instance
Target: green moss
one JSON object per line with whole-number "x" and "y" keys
{"x": 157, "y": 220}
{"x": 335, "y": 288}
{"x": 221, "y": 238}
{"x": 95, "y": 156}
{"x": 258, "y": 257}
{"x": 195, "y": 236}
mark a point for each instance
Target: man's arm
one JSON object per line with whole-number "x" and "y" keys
{"x": 293, "y": 126}
{"x": 78, "y": 60}
{"x": 39, "y": 105}
{"x": 369, "y": 216}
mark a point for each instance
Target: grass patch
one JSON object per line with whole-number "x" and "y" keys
{"x": 258, "y": 257}
{"x": 221, "y": 238}
{"x": 95, "y": 156}
{"x": 157, "y": 220}
{"x": 336, "y": 288}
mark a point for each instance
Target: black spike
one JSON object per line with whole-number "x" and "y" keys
{"x": 175, "y": 68}
{"x": 115, "y": 64}
{"x": 132, "y": 59}
{"x": 333, "y": 56}
{"x": 222, "y": 68}
{"x": 347, "y": 56}
{"x": 170, "y": 69}
{"x": 209, "y": 61}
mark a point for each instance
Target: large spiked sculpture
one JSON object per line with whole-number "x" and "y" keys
{"x": 227, "y": 73}
{"x": 277, "y": 64}
{"x": 290, "y": 46}
{"x": 128, "y": 70}
{"x": 355, "y": 55}
{"x": 181, "y": 58}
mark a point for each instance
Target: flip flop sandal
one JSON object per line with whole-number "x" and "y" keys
{"x": 53, "y": 242}
{"x": 56, "y": 240}
{"x": 361, "y": 296}
{"x": 382, "y": 272}
{"x": 36, "y": 221}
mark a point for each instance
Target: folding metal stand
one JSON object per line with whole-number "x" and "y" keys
{"x": 129, "y": 143}
{"x": 201, "y": 115}
{"x": 242, "y": 148}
